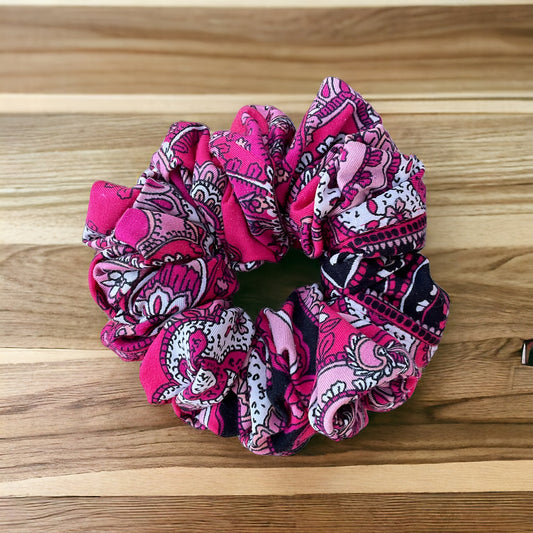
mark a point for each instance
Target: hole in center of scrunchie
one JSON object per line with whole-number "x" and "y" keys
{"x": 272, "y": 283}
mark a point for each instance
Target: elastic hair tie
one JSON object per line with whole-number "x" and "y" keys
{"x": 211, "y": 205}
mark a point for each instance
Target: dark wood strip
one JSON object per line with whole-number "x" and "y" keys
{"x": 497, "y": 513}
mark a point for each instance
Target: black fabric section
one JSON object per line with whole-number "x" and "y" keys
{"x": 229, "y": 407}
{"x": 308, "y": 328}
{"x": 340, "y": 270}
{"x": 284, "y": 442}
{"x": 276, "y": 393}
{"x": 430, "y": 313}
{"x": 281, "y": 442}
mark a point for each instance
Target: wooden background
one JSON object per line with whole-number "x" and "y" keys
{"x": 88, "y": 93}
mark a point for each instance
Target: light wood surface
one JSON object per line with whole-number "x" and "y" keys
{"x": 88, "y": 93}
{"x": 487, "y": 476}
{"x": 491, "y": 102}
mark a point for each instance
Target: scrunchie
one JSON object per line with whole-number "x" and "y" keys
{"x": 211, "y": 205}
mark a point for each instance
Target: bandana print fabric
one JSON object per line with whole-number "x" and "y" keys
{"x": 213, "y": 204}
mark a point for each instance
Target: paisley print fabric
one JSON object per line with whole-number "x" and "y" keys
{"x": 213, "y": 204}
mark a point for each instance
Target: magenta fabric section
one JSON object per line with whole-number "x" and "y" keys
{"x": 213, "y": 204}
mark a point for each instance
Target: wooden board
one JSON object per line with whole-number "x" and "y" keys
{"x": 87, "y": 93}
{"x": 464, "y": 179}
{"x": 398, "y": 50}
{"x": 461, "y": 513}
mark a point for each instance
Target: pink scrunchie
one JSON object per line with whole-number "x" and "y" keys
{"x": 211, "y": 205}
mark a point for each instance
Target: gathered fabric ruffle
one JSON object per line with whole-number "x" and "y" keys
{"x": 213, "y": 204}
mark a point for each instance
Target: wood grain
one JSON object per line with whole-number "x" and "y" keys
{"x": 101, "y": 414}
{"x": 96, "y": 397}
{"x": 433, "y": 513}
{"x": 490, "y": 289}
{"x": 103, "y": 418}
{"x": 476, "y": 165}
{"x": 202, "y": 51}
